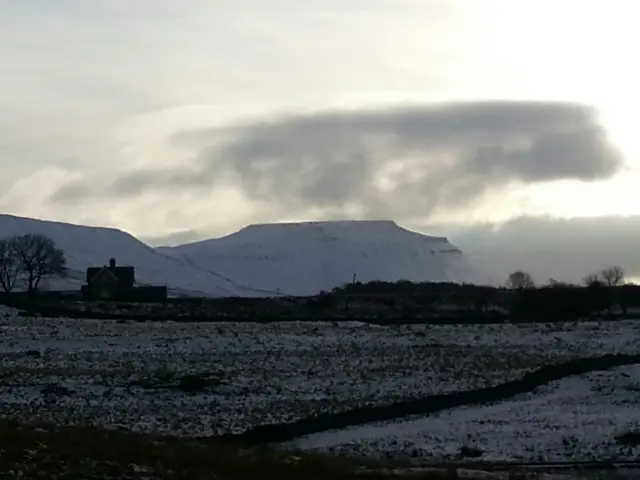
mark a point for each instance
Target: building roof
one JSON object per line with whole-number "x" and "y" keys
{"x": 122, "y": 274}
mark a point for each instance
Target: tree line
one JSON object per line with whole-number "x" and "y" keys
{"x": 608, "y": 277}
{"x": 600, "y": 292}
{"x": 25, "y": 260}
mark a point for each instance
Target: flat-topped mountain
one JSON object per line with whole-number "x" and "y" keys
{"x": 308, "y": 257}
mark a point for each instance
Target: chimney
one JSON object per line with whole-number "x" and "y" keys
{"x": 112, "y": 262}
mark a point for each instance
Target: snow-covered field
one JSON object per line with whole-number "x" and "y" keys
{"x": 572, "y": 419}
{"x": 127, "y": 374}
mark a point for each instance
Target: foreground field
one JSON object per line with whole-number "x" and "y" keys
{"x": 37, "y": 452}
{"x": 205, "y": 379}
{"x": 577, "y": 418}
{"x": 86, "y": 453}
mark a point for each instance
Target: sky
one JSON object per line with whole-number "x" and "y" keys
{"x": 178, "y": 120}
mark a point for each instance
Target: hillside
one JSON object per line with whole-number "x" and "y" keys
{"x": 93, "y": 246}
{"x": 306, "y": 258}
{"x": 261, "y": 260}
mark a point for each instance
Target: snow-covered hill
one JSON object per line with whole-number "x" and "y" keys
{"x": 308, "y": 257}
{"x": 93, "y": 246}
{"x": 261, "y": 260}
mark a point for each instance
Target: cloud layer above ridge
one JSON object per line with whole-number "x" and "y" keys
{"x": 387, "y": 162}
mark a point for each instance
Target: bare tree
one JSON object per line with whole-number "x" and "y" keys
{"x": 612, "y": 276}
{"x": 520, "y": 280}
{"x": 9, "y": 266}
{"x": 38, "y": 257}
{"x": 592, "y": 280}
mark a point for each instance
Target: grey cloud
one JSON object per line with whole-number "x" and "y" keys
{"x": 564, "y": 249}
{"x": 583, "y": 154}
{"x": 446, "y": 155}
{"x": 72, "y": 192}
{"x": 131, "y": 184}
{"x": 141, "y": 180}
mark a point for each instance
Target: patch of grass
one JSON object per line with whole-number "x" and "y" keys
{"x": 51, "y": 452}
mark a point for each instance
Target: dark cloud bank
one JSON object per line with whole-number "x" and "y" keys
{"x": 443, "y": 156}
{"x": 564, "y": 249}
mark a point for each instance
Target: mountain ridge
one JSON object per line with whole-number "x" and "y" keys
{"x": 330, "y": 253}
{"x": 289, "y": 258}
{"x": 87, "y": 246}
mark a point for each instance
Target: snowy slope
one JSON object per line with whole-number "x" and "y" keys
{"x": 93, "y": 246}
{"x": 306, "y": 258}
